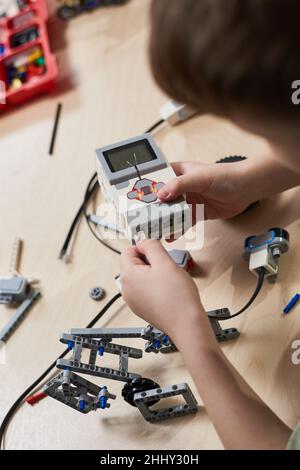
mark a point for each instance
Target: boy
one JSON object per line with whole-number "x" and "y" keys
{"x": 235, "y": 59}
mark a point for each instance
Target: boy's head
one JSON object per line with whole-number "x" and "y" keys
{"x": 234, "y": 58}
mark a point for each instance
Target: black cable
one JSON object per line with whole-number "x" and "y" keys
{"x": 21, "y": 398}
{"x": 152, "y": 128}
{"x": 107, "y": 245}
{"x": 55, "y": 126}
{"x": 260, "y": 282}
{"x": 88, "y": 194}
{"x": 91, "y": 228}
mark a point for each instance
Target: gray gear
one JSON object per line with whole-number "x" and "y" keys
{"x": 97, "y": 293}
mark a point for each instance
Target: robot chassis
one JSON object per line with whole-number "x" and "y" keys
{"x": 262, "y": 252}
{"x": 142, "y": 393}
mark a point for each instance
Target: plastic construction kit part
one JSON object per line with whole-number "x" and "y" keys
{"x": 143, "y": 400}
{"x": 158, "y": 341}
{"x": 182, "y": 258}
{"x": 107, "y": 333}
{"x": 27, "y": 35}
{"x": 78, "y": 343}
{"x": 291, "y": 303}
{"x": 136, "y": 169}
{"x": 97, "y": 293}
{"x": 222, "y": 334}
{"x": 15, "y": 256}
{"x": 151, "y": 334}
{"x": 19, "y": 314}
{"x": 90, "y": 369}
{"x": 70, "y": 9}
{"x": 94, "y": 345}
{"x": 13, "y": 290}
{"x": 145, "y": 190}
{"x": 33, "y": 399}
{"x": 264, "y": 251}
{"x": 78, "y": 393}
{"x": 136, "y": 386}
{"x": 232, "y": 159}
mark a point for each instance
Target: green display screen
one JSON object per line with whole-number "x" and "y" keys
{"x": 136, "y": 153}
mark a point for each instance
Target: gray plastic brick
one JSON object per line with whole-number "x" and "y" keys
{"x": 70, "y": 388}
{"x": 19, "y": 314}
{"x": 189, "y": 406}
{"x": 105, "y": 372}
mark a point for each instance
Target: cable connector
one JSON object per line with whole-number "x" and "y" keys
{"x": 174, "y": 112}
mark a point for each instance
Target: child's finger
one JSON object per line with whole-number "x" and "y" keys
{"x": 131, "y": 257}
{"x": 154, "y": 252}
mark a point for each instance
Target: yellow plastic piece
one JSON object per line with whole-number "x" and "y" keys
{"x": 16, "y": 83}
{"x": 35, "y": 55}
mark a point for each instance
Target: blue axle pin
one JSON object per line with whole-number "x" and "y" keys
{"x": 291, "y": 303}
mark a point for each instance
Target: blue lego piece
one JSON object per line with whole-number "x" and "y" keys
{"x": 101, "y": 351}
{"x": 81, "y": 405}
{"x": 166, "y": 340}
{"x": 291, "y": 303}
{"x": 254, "y": 243}
{"x": 2, "y": 49}
{"x": 103, "y": 400}
{"x": 156, "y": 344}
{"x": 23, "y": 76}
{"x": 70, "y": 345}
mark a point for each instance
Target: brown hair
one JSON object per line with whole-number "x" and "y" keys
{"x": 225, "y": 55}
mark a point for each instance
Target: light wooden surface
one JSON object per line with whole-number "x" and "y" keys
{"x": 108, "y": 94}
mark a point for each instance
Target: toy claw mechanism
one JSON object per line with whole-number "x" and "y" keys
{"x": 263, "y": 251}
{"x": 131, "y": 173}
{"x": 142, "y": 393}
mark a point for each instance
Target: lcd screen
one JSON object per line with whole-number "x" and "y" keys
{"x": 124, "y": 157}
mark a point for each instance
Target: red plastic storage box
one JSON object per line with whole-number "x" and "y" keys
{"x": 27, "y": 66}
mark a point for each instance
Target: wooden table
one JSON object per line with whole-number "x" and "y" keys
{"x": 108, "y": 94}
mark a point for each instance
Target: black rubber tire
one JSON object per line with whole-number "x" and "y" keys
{"x": 136, "y": 386}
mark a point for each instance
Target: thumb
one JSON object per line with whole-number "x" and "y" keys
{"x": 154, "y": 252}
{"x": 182, "y": 184}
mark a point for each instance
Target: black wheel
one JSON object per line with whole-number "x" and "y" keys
{"x": 232, "y": 159}
{"x": 137, "y": 386}
{"x": 66, "y": 13}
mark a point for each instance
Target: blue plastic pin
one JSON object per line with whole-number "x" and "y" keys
{"x": 103, "y": 400}
{"x": 101, "y": 351}
{"x": 70, "y": 345}
{"x": 81, "y": 405}
{"x": 291, "y": 303}
{"x": 166, "y": 340}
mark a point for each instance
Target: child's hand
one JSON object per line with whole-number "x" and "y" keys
{"x": 161, "y": 293}
{"x": 221, "y": 188}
